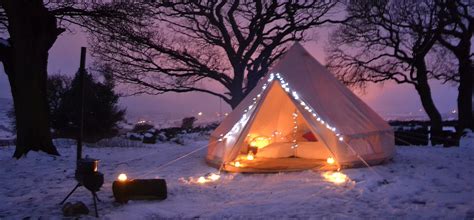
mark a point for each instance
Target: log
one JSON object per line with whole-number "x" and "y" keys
{"x": 139, "y": 189}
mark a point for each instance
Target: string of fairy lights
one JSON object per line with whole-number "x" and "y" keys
{"x": 292, "y": 93}
{"x": 294, "y": 144}
{"x": 307, "y": 107}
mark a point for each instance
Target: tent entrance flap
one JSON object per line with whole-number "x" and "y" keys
{"x": 279, "y": 136}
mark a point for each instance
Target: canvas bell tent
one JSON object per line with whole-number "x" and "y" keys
{"x": 299, "y": 116}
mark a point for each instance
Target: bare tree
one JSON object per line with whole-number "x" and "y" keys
{"x": 388, "y": 41}
{"x": 30, "y": 28}
{"x": 32, "y": 32}
{"x": 456, "y": 37}
{"x": 182, "y": 46}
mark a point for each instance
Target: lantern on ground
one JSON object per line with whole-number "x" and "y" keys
{"x": 330, "y": 161}
{"x": 335, "y": 177}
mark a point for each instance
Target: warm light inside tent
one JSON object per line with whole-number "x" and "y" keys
{"x": 250, "y": 156}
{"x": 260, "y": 142}
{"x": 122, "y": 177}
{"x": 237, "y": 164}
{"x": 330, "y": 160}
{"x": 335, "y": 177}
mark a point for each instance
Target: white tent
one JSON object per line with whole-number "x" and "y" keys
{"x": 297, "y": 117}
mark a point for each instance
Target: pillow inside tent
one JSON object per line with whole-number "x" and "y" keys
{"x": 276, "y": 150}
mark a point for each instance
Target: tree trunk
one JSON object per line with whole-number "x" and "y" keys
{"x": 236, "y": 92}
{"x": 33, "y": 31}
{"x": 424, "y": 91}
{"x": 465, "y": 89}
{"x": 236, "y": 97}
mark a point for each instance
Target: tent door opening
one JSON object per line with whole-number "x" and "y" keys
{"x": 279, "y": 138}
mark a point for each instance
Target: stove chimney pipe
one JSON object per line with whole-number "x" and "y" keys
{"x": 82, "y": 72}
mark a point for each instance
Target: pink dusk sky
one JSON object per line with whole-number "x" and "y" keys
{"x": 388, "y": 100}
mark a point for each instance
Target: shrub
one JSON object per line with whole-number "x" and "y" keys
{"x": 142, "y": 127}
{"x": 188, "y": 123}
{"x": 101, "y": 111}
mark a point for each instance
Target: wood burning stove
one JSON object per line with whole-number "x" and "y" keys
{"x": 87, "y": 174}
{"x": 87, "y": 169}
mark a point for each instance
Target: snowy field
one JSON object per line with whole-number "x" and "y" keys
{"x": 423, "y": 183}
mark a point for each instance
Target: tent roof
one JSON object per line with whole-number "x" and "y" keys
{"x": 331, "y": 100}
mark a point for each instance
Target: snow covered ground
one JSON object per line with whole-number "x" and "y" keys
{"x": 423, "y": 183}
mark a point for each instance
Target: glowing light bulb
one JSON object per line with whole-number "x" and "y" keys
{"x": 295, "y": 95}
{"x": 250, "y": 156}
{"x": 341, "y": 138}
{"x": 201, "y": 180}
{"x": 335, "y": 177}
{"x": 199, "y": 113}
{"x": 122, "y": 177}
{"x": 214, "y": 176}
{"x": 330, "y": 160}
{"x": 237, "y": 164}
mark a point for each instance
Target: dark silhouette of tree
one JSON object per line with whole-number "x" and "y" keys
{"x": 101, "y": 111}
{"x": 389, "y": 41}
{"x": 32, "y": 31}
{"x": 32, "y": 27}
{"x": 456, "y": 37}
{"x": 175, "y": 45}
{"x": 57, "y": 86}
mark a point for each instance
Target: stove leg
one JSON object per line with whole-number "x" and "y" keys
{"x": 64, "y": 200}
{"x": 94, "y": 197}
{"x": 97, "y": 197}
